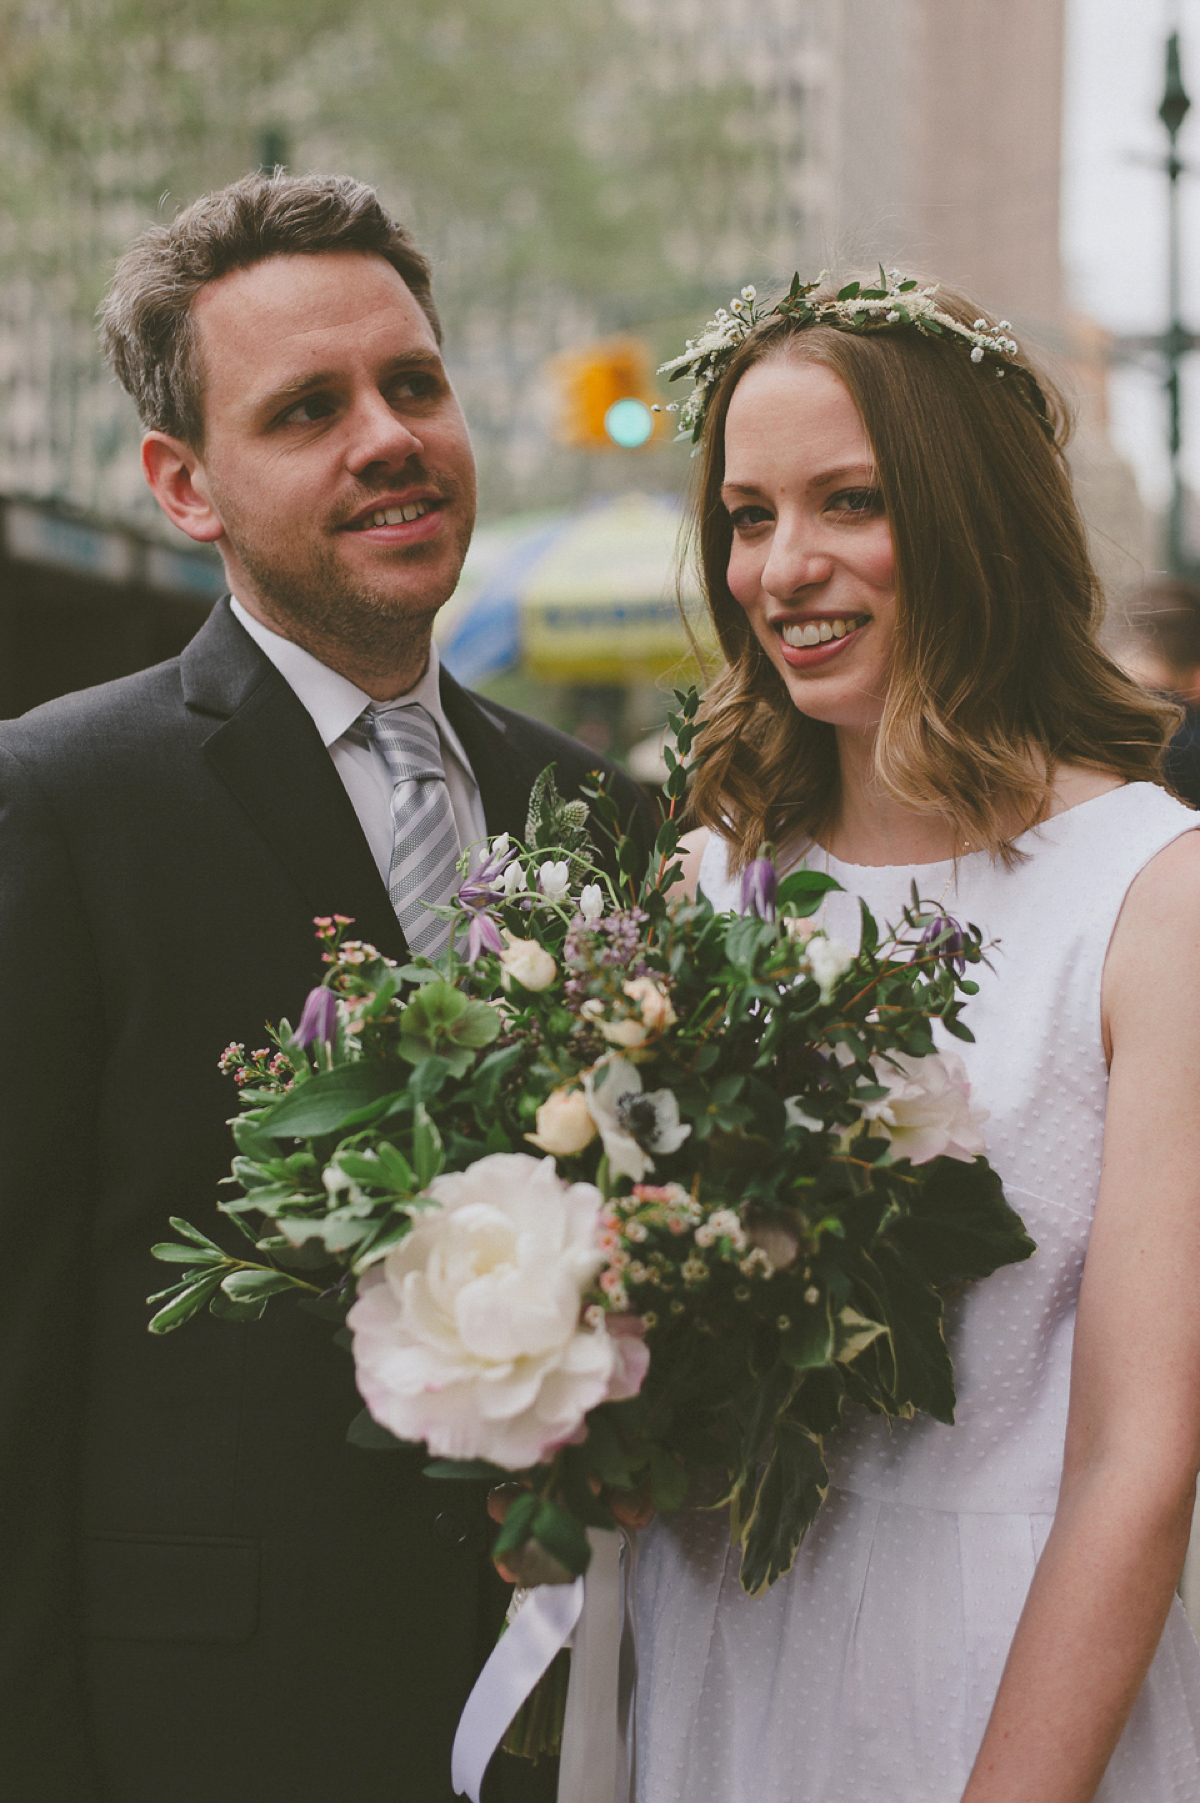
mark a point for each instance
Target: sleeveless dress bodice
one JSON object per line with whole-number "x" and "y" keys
{"x": 867, "y": 1675}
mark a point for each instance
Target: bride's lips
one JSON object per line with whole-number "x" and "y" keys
{"x": 382, "y": 523}
{"x": 808, "y": 657}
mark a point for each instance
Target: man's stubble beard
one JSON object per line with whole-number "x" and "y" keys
{"x": 316, "y": 604}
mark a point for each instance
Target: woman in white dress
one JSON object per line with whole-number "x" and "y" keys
{"x": 900, "y": 584}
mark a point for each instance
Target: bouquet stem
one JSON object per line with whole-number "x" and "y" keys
{"x": 535, "y": 1731}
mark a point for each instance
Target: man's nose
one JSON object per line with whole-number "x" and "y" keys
{"x": 378, "y": 434}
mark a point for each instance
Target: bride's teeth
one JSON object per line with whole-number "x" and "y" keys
{"x": 818, "y": 632}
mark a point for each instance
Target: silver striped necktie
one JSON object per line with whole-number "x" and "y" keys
{"x": 425, "y": 836}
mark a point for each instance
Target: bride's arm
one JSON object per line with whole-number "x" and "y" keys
{"x": 691, "y": 852}
{"x": 1102, "y": 1589}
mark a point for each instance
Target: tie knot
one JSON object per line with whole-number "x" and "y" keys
{"x": 408, "y": 738}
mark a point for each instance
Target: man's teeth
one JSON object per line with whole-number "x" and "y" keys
{"x": 397, "y": 516}
{"x": 819, "y": 632}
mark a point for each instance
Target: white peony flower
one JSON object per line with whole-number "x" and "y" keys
{"x": 829, "y": 960}
{"x": 927, "y": 1112}
{"x": 564, "y": 1125}
{"x": 591, "y": 902}
{"x": 529, "y": 963}
{"x": 632, "y": 1122}
{"x": 554, "y": 879}
{"x": 468, "y": 1334}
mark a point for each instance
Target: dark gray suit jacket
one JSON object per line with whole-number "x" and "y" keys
{"x": 206, "y": 1596}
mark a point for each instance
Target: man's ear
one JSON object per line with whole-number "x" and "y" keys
{"x": 176, "y": 476}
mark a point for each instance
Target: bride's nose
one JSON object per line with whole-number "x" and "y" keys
{"x": 797, "y": 560}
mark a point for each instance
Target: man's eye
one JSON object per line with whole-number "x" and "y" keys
{"x": 312, "y": 407}
{"x": 867, "y": 501}
{"x": 416, "y": 387}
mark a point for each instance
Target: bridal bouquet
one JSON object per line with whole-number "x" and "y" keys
{"x": 621, "y": 1197}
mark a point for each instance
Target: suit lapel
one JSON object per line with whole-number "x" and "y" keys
{"x": 266, "y": 750}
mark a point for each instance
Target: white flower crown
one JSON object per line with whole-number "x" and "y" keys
{"x": 897, "y": 301}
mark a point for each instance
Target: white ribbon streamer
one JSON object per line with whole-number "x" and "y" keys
{"x": 585, "y": 1615}
{"x": 589, "y": 1768}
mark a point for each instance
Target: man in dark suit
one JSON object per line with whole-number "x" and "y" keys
{"x": 206, "y": 1596}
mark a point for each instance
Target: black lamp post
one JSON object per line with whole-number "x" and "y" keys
{"x": 1172, "y": 112}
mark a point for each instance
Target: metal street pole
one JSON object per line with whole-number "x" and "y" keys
{"x": 1172, "y": 112}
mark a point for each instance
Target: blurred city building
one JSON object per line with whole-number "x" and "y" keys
{"x": 588, "y": 174}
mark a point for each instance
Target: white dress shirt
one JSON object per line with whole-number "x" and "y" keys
{"x": 335, "y": 703}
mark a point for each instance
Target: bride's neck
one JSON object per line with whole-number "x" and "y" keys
{"x": 871, "y": 827}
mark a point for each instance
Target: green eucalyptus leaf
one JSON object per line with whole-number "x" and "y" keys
{"x": 365, "y": 1433}
{"x": 556, "y": 1529}
{"x": 226, "y": 1309}
{"x": 428, "y": 1154}
{"x": 185, "y": 1305}
{"x": 517, "y": 1525}
{"x": 256, "y": 1286}
{"x": 786, "y": 1502}
{"x": 468, "y": 1471}
{"x": 332, "y": 1101}
{"x": 169, "y": 1252}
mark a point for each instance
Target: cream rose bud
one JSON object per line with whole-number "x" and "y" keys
{"x": 627, "y": 1033}
{"x": 528, "y": 963}
{"x": 591, "y": 902}
{"x": 554, "y": 879}
{"x": 564, "y": 1125}
{"x": 653, "y": 1001}
{"x": 829, "y": 960}
{"x": 927, "y": 1112}
{"x": 799, "y": 931}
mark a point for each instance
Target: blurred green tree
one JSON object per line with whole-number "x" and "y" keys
{"x": 569, "y": 170}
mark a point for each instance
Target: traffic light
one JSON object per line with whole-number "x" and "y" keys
{"x": 606, "y": 392}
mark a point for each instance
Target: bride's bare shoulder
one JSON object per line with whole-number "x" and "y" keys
{"x": 691, "y": 854}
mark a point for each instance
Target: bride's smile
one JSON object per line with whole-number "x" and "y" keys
{"x": 811, "y": 560}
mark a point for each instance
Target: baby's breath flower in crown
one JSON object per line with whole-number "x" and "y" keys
{"x": 896, "y": 301}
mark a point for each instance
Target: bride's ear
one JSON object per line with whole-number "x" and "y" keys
{"x": 176, "y": 476}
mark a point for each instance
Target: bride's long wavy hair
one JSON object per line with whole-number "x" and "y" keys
{"x": 997, "y": 673}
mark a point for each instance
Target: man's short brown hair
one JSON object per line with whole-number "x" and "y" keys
{"x": 148, "y": 331}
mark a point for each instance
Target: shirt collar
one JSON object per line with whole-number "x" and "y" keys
{"x": 333, "y": 701}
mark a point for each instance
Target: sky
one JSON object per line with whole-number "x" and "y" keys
{"x": 1114, "y": 228}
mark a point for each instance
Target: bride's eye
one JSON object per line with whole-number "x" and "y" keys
{"x": 864, "y": 502}
{"x": 742, "y": 518}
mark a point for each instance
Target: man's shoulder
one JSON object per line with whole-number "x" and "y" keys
{"x": 130, "y": 708}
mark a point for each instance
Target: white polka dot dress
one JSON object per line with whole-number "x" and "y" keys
{"x": 868, "y": 1674}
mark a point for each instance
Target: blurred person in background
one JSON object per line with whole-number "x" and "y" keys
{"x": 1160, "y": 647}
{"x": 206, "y": 1595}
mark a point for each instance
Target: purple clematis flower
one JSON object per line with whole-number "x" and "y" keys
{"x": 484, "y": 887}
{"x": 759, "y": 883}
{"x": 483, "y": 936}
{"x": 319, "y": 1019}
{"x": 951, "y": 947}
